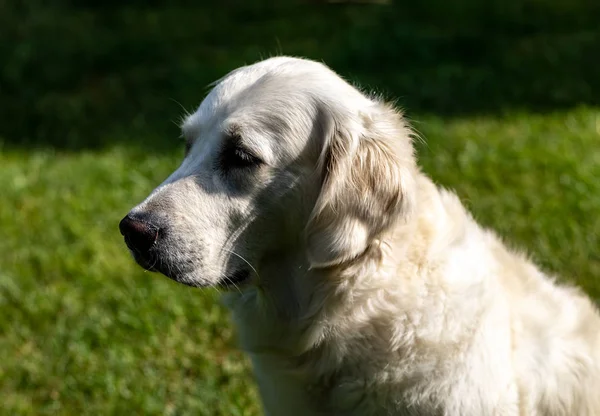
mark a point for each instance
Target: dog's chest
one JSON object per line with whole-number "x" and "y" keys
{"x": 344, "y": 375}
{"x": 307, "y": 384}
{"x": 280, "y": 391}
{"x": 289, "y": 390}
{"x": 285, "y": 394}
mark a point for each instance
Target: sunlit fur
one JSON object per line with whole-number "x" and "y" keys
{"x": 373, "y": 291}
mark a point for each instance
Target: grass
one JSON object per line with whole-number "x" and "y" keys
{"x": 507, "y": 101}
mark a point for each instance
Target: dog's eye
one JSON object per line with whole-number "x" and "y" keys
{"x": 234, "y": 156}
{"x": 188, "y": 147}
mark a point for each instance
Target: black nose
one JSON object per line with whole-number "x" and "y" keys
{"x": 140, "y": 235}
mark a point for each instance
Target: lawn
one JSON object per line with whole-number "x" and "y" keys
{"x": 507, "y": 100}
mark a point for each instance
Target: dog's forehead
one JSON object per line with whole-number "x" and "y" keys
{"x": 239, "y": 80}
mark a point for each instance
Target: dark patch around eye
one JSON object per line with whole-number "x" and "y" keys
{"x": 235, "y": 156}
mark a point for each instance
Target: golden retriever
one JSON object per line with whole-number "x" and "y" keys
{"x": 358, "y": 287}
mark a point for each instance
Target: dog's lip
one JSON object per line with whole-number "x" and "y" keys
{"x": 236, "y": 278}
{"x": 143, "y": 261}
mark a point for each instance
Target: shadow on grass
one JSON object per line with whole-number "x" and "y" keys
{"x": 85, "y": 77}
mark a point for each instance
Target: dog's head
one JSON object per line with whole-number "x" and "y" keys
{"x": 284, "y": 160}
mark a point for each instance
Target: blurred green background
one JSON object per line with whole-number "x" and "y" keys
{"x": 506, "y": 95}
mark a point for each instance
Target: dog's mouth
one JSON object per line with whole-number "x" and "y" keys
{"x": 147, "y": 261}
{"x": 151, "y": 261}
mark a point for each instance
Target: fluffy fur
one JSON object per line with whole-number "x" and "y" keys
{"x": 371, "y": 290}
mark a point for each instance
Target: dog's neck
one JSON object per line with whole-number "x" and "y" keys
{"x": 283, "y": 313}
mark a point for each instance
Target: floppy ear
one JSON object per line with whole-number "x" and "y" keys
{"x": 368, "y": 166}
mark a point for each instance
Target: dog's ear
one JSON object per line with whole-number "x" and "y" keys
{"x": 368, "y": 169}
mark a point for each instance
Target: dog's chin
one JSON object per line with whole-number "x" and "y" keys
{"x": 233, "y": 280}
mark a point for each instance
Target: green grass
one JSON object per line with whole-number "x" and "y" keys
{"x": 507, "y": 101}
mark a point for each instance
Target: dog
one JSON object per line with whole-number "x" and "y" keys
{"x": 358, "y": 286}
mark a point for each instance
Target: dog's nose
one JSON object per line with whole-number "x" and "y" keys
{"x": 140, "y": 234}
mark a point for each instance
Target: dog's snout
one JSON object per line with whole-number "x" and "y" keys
{"x": 140, "y": 234}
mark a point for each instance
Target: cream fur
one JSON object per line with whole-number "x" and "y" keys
{"x": 375, "y": 292}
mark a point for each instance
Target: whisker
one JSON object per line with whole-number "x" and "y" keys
{"x": 239, "y": 256}
{"x": 227, "y": 278}
{"x": 153, "y": 264}
{"x": 185, "y": 111}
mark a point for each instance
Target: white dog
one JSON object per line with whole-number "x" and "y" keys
{"x": 358, "y": 287}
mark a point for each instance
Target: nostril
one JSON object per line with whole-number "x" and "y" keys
{"x": 139, "y": 235}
